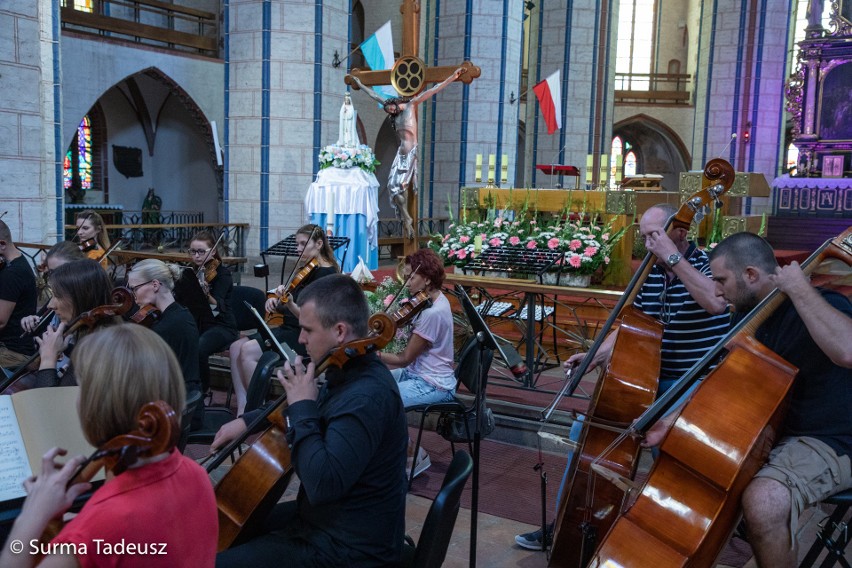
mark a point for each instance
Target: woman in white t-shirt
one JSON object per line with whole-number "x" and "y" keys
{"x": 424, "y": 370}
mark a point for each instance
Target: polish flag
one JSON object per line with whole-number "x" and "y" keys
{"x": 549, "y": 95}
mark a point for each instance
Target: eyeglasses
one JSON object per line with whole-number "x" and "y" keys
{"x": 135, "y": 288}
{"x": 665, "y": 307}
{"x": 196, "y": 252}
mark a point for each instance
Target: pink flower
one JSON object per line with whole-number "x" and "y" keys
{"x": 575, "y": 244}
{"x": 446, "y": 238}
{"x": 606, "y": 260}
{"x": 590, "y": 251}
{"x": 483, "y": 236}
{"x": 498, "y": 221}
{"x": 532, "y": 222}
{"x": 575, "y": 261}
{"x": 388, "y": 299}
{"x": 451, "y": 253}
{"x": 552, "y": 243}
{"x": 464, "y": 239}
{"x": 514, "y": 241}
{"x": 605, "y": 237}
{"x": 461, "y": 254}
{"x": 495, "y": 242}
{"x": 531, "y": 245}
{"x": 515, "y": 223}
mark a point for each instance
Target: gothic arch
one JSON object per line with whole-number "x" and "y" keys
{"x": 659, "y": 150}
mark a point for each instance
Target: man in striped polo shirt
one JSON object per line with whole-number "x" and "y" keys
{"x": 680, "y": 292}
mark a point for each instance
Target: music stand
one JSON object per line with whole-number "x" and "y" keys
{"x": 486, "y": 341}
{"x": 269, "y": 340}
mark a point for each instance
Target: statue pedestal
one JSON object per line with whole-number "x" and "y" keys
{"x": 347, "y": 201}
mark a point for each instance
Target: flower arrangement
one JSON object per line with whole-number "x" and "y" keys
{"x": 586, "y": 245}
{"x": 345, "y": 157}
{"x": 380, "y": 301}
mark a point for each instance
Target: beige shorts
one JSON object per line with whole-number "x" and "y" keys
{"x": 810, "y": 469}
{"x": 9, "y": 358}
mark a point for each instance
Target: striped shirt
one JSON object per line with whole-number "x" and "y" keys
{"x": 689, "y": 331}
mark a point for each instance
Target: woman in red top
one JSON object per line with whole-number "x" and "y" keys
{"x": 161, "y": 511}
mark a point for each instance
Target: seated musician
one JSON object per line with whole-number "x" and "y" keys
{"x": 216, "y": 323}
{"x": 92, "y": 236}
{"x": 18, "y": 298}
{"x": 424, "y": 371}
{"x": 679, "y": 293}
{"x": 164, "y": 499}
{"x": 347, "y": 447}
{"x": 61, "y": 253}
{"x": 152, "y": 282}
{"x": 811, "y": 330}
{"x": 78, "y": 287}
{"x": 311, "y": 244}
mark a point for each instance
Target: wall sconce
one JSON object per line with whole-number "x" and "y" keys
{"x": 336, "y": 61}
{"x": 747, "y": 133}
{"x": 512, "y": 98}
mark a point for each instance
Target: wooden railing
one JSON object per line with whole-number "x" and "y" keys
{"x": 173, "y": 237}
{"x": 149, "y": 22}
{"x": 655, "y": 88}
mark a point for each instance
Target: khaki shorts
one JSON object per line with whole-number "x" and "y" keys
{"x": 810, "y": 469}
{"x": 9, "y": 358}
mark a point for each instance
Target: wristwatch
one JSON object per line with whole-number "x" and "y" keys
{"x": 673, "y": 259}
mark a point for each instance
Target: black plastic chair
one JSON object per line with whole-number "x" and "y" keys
{"x": 216, "y": 417}
{"x": 255, "y": 297}
{"x": 473, "y": 374}
{"x": 431, "y": 549}
{"x": 833, "y": 535}
{"x": 193, "y": 400}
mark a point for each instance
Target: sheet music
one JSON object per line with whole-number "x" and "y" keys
{"x": 14, "y": 465}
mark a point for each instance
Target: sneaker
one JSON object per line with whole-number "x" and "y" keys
{"x": 532, "y": 540}
{"x": 422, "y": 464}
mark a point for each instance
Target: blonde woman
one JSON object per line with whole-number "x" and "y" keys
{"x": 165, "y": 499}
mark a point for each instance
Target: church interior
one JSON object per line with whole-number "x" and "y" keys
{"x": 487, "y": 131}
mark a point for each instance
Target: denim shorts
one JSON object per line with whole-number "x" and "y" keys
{"x": 417, "y": 390}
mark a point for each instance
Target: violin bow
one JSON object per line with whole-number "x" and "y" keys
{"x": 298, "y": 259}
{"x": 401, "y": 288}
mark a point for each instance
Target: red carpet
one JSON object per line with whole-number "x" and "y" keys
{"x": 508, "y": 486}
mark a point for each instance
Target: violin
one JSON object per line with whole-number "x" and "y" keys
{"x": 295, "y": 281}
{"x": 210, "y": 270}
{"x": 410, "y": 308}
{"x": 255, "y": 483}
{"x": 123, "y": 301}
{"x": 157, "y": 432}
{"x": 146, "y": 315}
{"x": 88, "y": 244}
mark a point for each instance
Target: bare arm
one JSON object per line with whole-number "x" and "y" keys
{"x": 439, "y": 87}
{"x": 6, "y": 308}
{"x": 699, "y": 286}
{"x": 829, "y": 327}
{"x": 370, "y": 92}
{"x": 415, "y": 347}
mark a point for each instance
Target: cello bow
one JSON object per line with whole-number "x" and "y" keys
{"x": 689, "y": 505}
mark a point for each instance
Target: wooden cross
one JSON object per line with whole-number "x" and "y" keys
{"x": 410, "y": 10}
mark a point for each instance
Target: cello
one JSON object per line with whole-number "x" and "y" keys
{"x": 627, "y": 387}
{"x": 255, "y": 483}
{"x": 690, "y": 504}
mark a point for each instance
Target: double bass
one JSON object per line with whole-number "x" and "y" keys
{"x": 627, "y": 387}
{"x": 686, "y": 511}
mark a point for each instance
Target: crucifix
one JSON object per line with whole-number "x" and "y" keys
{"x": 409, "y": 76}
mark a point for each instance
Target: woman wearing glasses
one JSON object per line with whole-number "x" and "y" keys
{"x": 209, "y": 304}
{"x": 152, "y": 282}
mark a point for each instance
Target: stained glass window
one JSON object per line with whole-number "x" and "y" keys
{"x": 80, "y": 153}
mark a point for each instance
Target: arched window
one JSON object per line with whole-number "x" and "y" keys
{"x": 615, "y": 161}
{"x": 84, "y": 167}
{"x": 630, "y": 164}
{"x": 78, "y": 159}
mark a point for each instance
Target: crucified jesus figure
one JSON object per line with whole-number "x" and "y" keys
{"x": 403, "y": 114}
